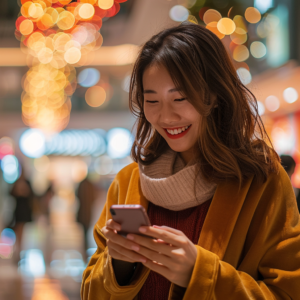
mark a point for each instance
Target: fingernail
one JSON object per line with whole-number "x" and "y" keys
{"x": 142, "y": 229}
{"x": 143, "y": 260}
{"x": 130, "y": 237}
{"x": 135, "y": 248}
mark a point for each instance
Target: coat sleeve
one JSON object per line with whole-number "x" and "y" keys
{"x": 98, "y": 280}
{"x": 276, "y": 232}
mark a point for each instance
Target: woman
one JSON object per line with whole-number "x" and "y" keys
{"x": 202, "y": 169}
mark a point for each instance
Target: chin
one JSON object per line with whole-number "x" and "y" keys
{"x": 179, "y": 147}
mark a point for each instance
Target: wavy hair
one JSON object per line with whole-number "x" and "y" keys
{"x": 232, "y": 141}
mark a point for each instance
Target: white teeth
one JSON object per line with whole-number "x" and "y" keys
{"x": 177, "y": 131}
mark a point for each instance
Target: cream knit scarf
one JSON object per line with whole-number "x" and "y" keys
{"x": 169, "y": 183}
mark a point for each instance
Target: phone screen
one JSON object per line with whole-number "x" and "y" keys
{"x": 130, "y": 217}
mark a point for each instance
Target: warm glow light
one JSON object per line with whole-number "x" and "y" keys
{"x": 258, "y": 49}
{"x": 105, "y": 4}
{"x": 45, "y": 55}
{"x": 252, "y": 15}
{"x": 226, "y": 26}
{"x": 240, "y": 53}
{"x": 35, "y": 10}
{"x": 72, "y": 55}
{"x": 86, "y": 11}
{"x": 192, "y": 19}
{"x": 95, "y": 96}
{"x": 239, "y": 39}
{"x": 272, "y": 103}
{"x": 211, "y": 15}
{"x": 241, "y": 27}
{"x": 213, "y": 28}
{"x": 56, "y": 34}
{"x": 66, "y": 20}
{"x": 26, "y": 27}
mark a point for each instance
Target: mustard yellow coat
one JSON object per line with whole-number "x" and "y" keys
{"x": 249, "y": 247}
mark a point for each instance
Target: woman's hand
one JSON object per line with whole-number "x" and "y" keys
{"x": 170, "y": 254}
{"x": 119, "y": 247}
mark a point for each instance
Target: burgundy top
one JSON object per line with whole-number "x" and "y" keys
{"x": 190, "y": 222}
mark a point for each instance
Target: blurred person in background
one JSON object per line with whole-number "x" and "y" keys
{"x": 289, "y": 165}
{"x": 45, "y": 202}
{"x": 86, "y": 194}
{"x": 23, "y": 195}
{"x": 224, "y": 215}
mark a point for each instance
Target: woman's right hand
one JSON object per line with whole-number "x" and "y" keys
{"x": 119, "y": 247}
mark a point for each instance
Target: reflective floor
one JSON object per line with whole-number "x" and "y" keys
{"x": 49, "y": 262}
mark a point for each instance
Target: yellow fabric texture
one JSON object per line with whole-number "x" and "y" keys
{"x": 249, "y": 246}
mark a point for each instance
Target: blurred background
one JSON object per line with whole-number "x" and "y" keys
{"x": 65, "y": 126}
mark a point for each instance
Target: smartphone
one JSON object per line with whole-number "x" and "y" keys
{"x": 130, "y": 217}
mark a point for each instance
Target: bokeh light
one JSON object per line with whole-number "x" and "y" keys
{"x": 252, "y": 15}
{"x": 105, "y": 4}
{"x": 126, "y": 83}
{"x": 10, "y": 168}
{"x": 86, "y": 11}
{"x": 88, "y": 77}
{"x": 95, "y": 96}
{"x": 290, "y": 95}
{"x": 240, "y": 53}
{"x": 213, "y": 28}
{"x": 119, "y": 142}
{"x": 32, "y": 143}
{"x": 263, "y": 5}
{"x": 261, "y": 108}
{"x": 226, "y": 26}
{"x": 258, "y": 49}
{"x": 241, "y": 27}
{"x": 211, "y": 15}
{"x": 272, "y": 103}
{"x": 239, "y": 39}
{"x": 244, "y": 75}
{"x": 179, "y": 13}
{"x": 57, "y": 36}
{"x": 6, "y": 147}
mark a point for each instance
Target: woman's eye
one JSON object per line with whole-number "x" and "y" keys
{"x": 148, "y": 101}
{"x": 181, "y": 99}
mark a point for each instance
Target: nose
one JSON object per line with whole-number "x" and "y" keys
{"x": 168, "y": 116}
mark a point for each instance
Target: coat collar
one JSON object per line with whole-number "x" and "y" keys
{"x": 221, "y": 217}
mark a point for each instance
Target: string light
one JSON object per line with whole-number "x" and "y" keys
{"x": 57, "y": 36}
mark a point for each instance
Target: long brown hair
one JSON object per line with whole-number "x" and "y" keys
{"x": 232, "y": 140}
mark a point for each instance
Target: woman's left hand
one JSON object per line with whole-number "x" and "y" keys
{"x": 170, "y": 254}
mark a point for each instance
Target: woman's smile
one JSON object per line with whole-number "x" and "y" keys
{"x": 176, "y": 133}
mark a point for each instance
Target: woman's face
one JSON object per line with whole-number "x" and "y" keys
{"x": 169, "y": 112}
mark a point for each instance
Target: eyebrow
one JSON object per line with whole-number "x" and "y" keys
{"x": 154, "y": 92}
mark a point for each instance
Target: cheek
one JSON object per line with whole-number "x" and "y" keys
{"x": 150, "y": 115}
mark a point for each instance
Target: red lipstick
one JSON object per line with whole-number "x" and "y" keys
{"x": 177, "y": 136}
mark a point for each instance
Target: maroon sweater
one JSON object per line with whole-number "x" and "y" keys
{"x": 190, "y": 222}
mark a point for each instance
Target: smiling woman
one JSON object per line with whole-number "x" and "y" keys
{"x": 224, "y": 214}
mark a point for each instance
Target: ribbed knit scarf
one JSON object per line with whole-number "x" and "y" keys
{"x": 169, "y": 183}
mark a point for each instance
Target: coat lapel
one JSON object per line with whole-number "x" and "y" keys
{"x": 222, "y": 216}
{"x": 134, "y": 193}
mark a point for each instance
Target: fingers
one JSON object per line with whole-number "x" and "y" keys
{"x": 168, "y": 237}
{"x": 113, "y": 225}
{"x": 116, "y": 255}
{"x": 118, "y": 250}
